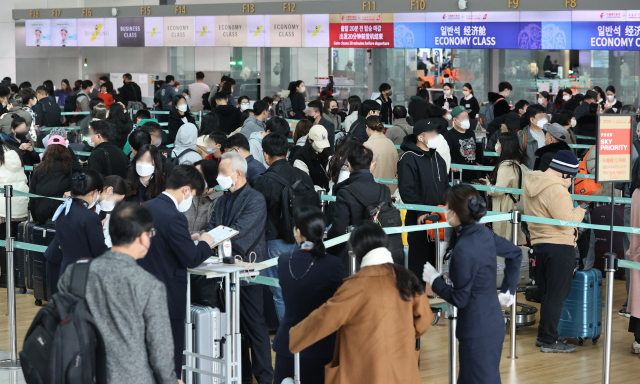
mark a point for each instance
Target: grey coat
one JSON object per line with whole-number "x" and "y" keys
{"x": 5, "y": 122}
{"x": 129, "y": 306}
{"x": 252, "y": 125}
{"x": 531, "y": 146}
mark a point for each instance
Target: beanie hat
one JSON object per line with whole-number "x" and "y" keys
{"x": 558, "y": 131}
{"x": 565, "y": 162}
{"x": 512, "y": 121}
{"x": 457, "y": 110}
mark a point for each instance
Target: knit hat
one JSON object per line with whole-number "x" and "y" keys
{"x": 59, "y": 131}
{"x": 558, "y": 131}
{"x": 512, "y": 121}
{"x": 565, "y": 162}
{"x": 457, "y": 110}
{"x": 424, "y": 126}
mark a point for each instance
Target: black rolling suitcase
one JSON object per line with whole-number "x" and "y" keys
{"x": 602, "y": 215}
{"x": 22, "y": 258}
{"x": 42, "y": 235}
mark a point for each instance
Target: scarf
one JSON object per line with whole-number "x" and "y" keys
{"x": 376, "y": 256}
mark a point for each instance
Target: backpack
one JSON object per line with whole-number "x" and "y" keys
{"x": 284, "y": 108}
{"x": 292, "y": 196}
{"x": 205, "y": 101}
{"x": 486, "y": 113}
{"x": 175, "y": 160}
{"x": 386, "y": 215}
{"x": 585, "y": 186}
{"x": 63, "y": 344}
{"x": 70, "y": 103}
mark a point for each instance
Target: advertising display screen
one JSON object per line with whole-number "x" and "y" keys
{"x": 449, "y": 30}
{"x": 38, "y": 33}
{"x": 153, "y": 32}
{"x": 205, "y": 31}
{"x": 97, "y": 32}
{"x": 545, "y": 30}
{"x": 130, "y": 32}
{"x": 316, "y": 31}
{"x": 494, "y": 29}
{"x": 179, "y": 32}
{"x": 283, "y": 31}
{"x": 366, "y": 30}
{"x": 599, "y": 30}
{"x": 64, "y": 33}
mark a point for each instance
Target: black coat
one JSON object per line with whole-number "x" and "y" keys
{"x": 47, "y": 113}
{"x": 79, "y": 234}
{"x": 501, "y": 107}
{"x": 53, "y": 184}
{"x": 303, "y": 296}
{"x": 472, "y": 106}
{"x": 316, "y": 169}
{"x": 229, "y": 116}
{"x": 272, "y": 192}
{"x": 359, "y": 129}
{"x": 331, "y": 128}
{"x": 130, "y": 92}
{"x": 297, "y": 105}
{"x": 28, "y": 157}
{"x": 172, "y": 252}
{"x": 386, "y": 110}
{"x": 440, "y": 100}
{"x": 587, "y": 125}
{"x": 571, "y": 105}
{"x": 107, "y": 160}
{"x": 418, "y": 108}
{"x": 545, "y": 155}
{"x": 175, "y": 122}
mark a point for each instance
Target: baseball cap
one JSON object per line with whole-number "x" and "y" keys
{"x": 565, "y": 162}
{"x": 320, "y": 137}
{"x": 591, "y": 95}
{"x": 57, "y": 140}
{"x": 424, "y": 126}
{"x": 457, "y": 110}
{"x": 558, "y": 131}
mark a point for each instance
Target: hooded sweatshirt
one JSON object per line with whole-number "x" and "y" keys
{"x": 418, "y": 108}
{"x": 186, "y": 138}
{"x": 229, "y": 117}
{"x": 501, "y": 106}
{"x": 252, "y": 125}
{"x": 255, "y": 145}
{"x": 547, "y": 195}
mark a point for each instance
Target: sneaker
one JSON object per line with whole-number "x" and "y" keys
{"x": 635, "y": 348}
{"x": 561, "y": 339}
{"x": 624, "y": 312}
{"x": 558, "y": 347}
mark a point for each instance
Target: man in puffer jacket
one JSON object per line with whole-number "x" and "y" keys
{"x": 546, "y": 194}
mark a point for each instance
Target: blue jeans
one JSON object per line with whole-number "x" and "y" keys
{"x": 277, "y": 248}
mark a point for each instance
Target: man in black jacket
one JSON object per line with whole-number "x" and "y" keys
{"x": 46, "y": 110}
{"x": 275, "y": 147}
{"x": 501, "y": 105}
{"x": 520, "y": 107}
{"x": 359, "y": 127}
{"x": 229, "y": 116}
{"x": 418, "y": 105}
{"x": 314, "y": 114}
{"x": 422, "y": 179}
{"x": 130, "y": 91}
{"x": 106, "y": 158}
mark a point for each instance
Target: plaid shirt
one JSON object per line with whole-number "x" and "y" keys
{"x": 200, "y": 211}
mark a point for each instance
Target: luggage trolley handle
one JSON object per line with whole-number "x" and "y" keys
{"x": 296, "y": 371}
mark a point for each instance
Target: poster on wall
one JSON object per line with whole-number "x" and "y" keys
{"x": 283, "y": 31}
{"x": 599, "y": 30}
{"x": 494, "y": 30}
{"x": 316, "y": 30}
{"x": 366, "y": 30}
{"x": 545, "y": 30}
{"x": 130, "y": 32}
{"x": 179, "y": 31}
{"x": 153, "y": 32}
{"x": 64, "y": 33}
{"x": 448, "y": 30}
{"x": 204, "y": 31}
{"x": 38, "y": 33}
{"x": 632, "y": 29}
{"x": 409, "y": 30}
{"x": 613, "y": 158}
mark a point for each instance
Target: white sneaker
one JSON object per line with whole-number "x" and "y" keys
{"x": 636, "y": 348}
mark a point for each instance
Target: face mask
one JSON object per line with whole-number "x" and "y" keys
{"x": 447, "y": 92}
{"x": 66, "y": 143}
{"x": 244, "y": 106}
{"x": 498, "y": 148}
{"x": 145, "y": 169}
{"x": 573, "y": 122}
{"x": 186, "y": 203}
{"x": 566, "y": 97}
{"x": 182, "y": 108}
{"x": 302, "y": 89}
{"x": 106, "y": 205}
{"x": 275, "y": 103}
{"x": 315, "y": 148}
{"x": 465, "y": 124}
{"x": 95, "y": 201}
{"x": 91, "y": 90}
{"x": 225, "y": 182}
{"x": 311, "y": 119}
{"x": 176, "y": 89}
{"x": 389, "y": 93}
{"x": 91, "y": 143}
{"x": 445, "y": 216}
{"x": 448, "y": 117}
{"x": 541, "y": 123}
{"x": 610, "y": 97}
{"x": 540, "y": 100}
{"x": 157, "y": 142}
{"x": 433, "y": 142}
{"x": 335, "y": 111}
{"x": 507, "y": 94}
{"x": 211, "y": 150}
{"x": 22, "y": 136}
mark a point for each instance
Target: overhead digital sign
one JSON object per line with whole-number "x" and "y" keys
{"x": 38, "y": 33}
{"x": 365, "y": 30}
{"x": 64, "y": 33}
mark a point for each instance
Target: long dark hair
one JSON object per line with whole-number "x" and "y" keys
{"x": 69, "y": 89}
{"x": 157, "y": 182}
{"x": 369, "y": 236}
{"x": 510, "y": 151}
{"x": 6, "y": 146}
{"x": 302, "y": 129}
{"x": 311, "y": 223}
{"x": 469, "y": 87}
{"x": 351, "y": 143}
{"x": 120, "y": 120}
{"x": 466, "y": 202}
{"x": 293, "y": 87}
{"x": 55, "y": 153}
{"x": 48, "y": 85}
{"x": 77, "y": 85}
{"x": 209, "y": 124}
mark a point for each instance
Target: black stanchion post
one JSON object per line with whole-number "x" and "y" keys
{"x": 611, "y": 265}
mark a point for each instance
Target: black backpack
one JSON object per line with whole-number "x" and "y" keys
{"x": 63, "y": 344}
{"x": 205, "y": 101}
{"x": 293, "y": 196}
{"x": 385, "y": 214}
{"x": 284, "y": 108}
{"x": 70, "y": 103}
{"x": 175, "y": 160}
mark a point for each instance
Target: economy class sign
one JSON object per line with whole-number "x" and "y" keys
{"x": 614, "y": 149}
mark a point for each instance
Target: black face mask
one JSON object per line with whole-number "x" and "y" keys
{"x": 389, "y": 93}
{"x": 22, "y": 136}
{"x": 311, "y": 119}
{"x": 335, "y": 111}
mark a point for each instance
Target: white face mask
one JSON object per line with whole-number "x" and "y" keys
{"x": 542, "y": 123}
{"x": 182, "y": 108}
{"x": 106, "y": 205}
{"x": 445, "y": 216}
{"x": 465, "y": 124}
{"x": 91, "y": 143}
{"x": 302, "y": 89}
{"x": 433, "y": 142}
{"x": 66, "y": 143}
{"x": 566, "y": 97}
{"x": 540, "y": 100}
{"x": 145, "y": 169}
{"x": 186, "y": 203}
{"x": 244, "y": 106}
{"x": 157, "y": 142}
{"x": 225, "y": 182}
{"x": 610, "y": 97}
{"x": 95, "y": 201}
{"x": 447, "y": 92}
{"x": 176, "y": 89}
{"x": 573, "y": 122}
{"x": 91, "y": 90}
{"x": 315, "y": 148}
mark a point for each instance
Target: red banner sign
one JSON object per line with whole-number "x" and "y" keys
{"x": 361, "y": 35}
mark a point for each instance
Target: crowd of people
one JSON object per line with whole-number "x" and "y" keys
{"x": 144, "y": 199}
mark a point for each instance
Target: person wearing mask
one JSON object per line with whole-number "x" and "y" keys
{"x": 299, "y": 135}
{"x": 272, "y": 106}
{"x": 119, "y": 124}
{"x": 202, "y": 206}
{"x": 275, "y": 148}
{"x": 130, "y": 91}
{"x": 446, "y": 98}
{"x": 64, "y": 92}
{"x": 196, "y": 90}
{"x": 185, "y": 145}
{"x": 501, "y": 105}
{"x": 215, "y": 143}
{"x": 314, "y": 115}
{"x": 106, "y": 158}
{"x": 227, "y": 89}
{"x": 78, "y": 226}
{"x": 240, "y": 144}
{"x": 583, "y": 109}
{"x": 400, "y": 128}
{"x": 422, "y": 179}
{"x": 178, "y": 116}
{"x": 472, "y": 270}
{"x": 256, "y": 123}
{"x": 359, "y": 127}
{"x": 98, "y": 111}
{"x": 386, "y": 104}
{"x": 469, "y": 101}
{"x": 146, "y": 178}
{"x": 439, "y": 117}
{"x": 304, "y": 290}
{"x": 532, "y": 137}
{"x": 462, "y": 144}
{"x": 611, "y": 102}
{"x": 313, "y": 158}
{"x": 82, "y": 99}
{"x": 167, "y": 93}
{"x": 331, "y": 113}
{"x": 384, "y": 152}
{"x": 19, "y": 138}
{"x": 418, "y": 105}
{"x": 546, "y": 194}
{"x": 244, "y": 209}
{"x": 20, "y": 105}
{"x": 172, "y": 250}
{"x": 520, "y": 109}
{"x": 338, "y": 169}
{"x": 354, "y": 107}
{"x": 385, "y": 339}
{"x": 601, "y": 97}
{"x": 5, "y": 92}
{"x": 563, "y": 97}
{"x": 47, "y": 113}
{"x": 228, "y": 115}
{"x": 544, "y": 99}
{"x": 244, "y": 103}
{"x": 573, "y": 102}
{"x": 128, "y": 305}
{"x": 51, "y": 178}
{"x": 297, "y": 96}
{"x": 567, "y": 120}
{"x": 509, "y": 173}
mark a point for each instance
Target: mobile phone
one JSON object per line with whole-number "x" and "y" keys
{"x": 584, "y": 205}
{"x": 376, "y": 159}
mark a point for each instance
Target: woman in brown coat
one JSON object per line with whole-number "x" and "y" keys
{"x": 378, "y": 314}
{"x": 633, "y": 254}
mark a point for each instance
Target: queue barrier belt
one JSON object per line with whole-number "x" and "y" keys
{"x": 74, "y": 113}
